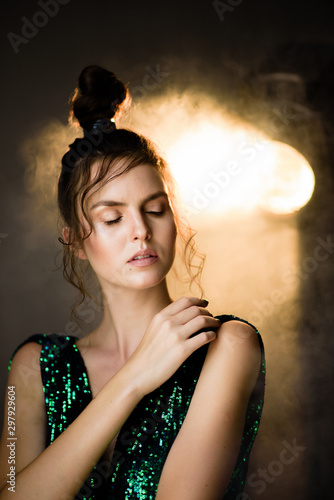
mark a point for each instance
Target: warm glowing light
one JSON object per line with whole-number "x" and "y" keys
{"x": 214, "y": 166}
{"x": 220, "y": 169}
{"x": 221, "y": 163}
{"x": 287, "y": 179}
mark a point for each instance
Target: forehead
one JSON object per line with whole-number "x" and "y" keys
{"x": 137, "y": 182}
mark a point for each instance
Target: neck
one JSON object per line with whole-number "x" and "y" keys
{"x": 127, "y": 315}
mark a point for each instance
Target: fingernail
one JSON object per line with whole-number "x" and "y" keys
{"x": 206, "y": 302}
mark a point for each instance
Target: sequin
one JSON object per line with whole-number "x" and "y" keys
{"x": 146, "y": 437}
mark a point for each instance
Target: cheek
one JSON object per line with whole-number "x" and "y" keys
{"x": 96, "y": 248}
{"x": 171, "y": 233}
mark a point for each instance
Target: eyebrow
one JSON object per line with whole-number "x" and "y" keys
{"x": 111, "y": 203}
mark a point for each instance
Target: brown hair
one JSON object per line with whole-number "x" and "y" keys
{"x": 97, "y": 99}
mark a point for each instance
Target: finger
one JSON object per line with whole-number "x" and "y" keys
{"x": 201, "y": 339}
{"x": 190, "y": 313}
{"x": 184, "y": 303}
{"x": 199, "y": 323}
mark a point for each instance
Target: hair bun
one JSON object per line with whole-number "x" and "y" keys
{"x": 98, "y": 95}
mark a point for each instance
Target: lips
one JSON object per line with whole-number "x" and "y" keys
{"x": 146, "y": 253}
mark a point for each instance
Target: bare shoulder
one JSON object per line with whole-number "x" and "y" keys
{"x": 239, "y": 334}
{"x": 27, "y": 355}
{"x": 25, "y": 370}
{"x": 29, "y": 408}
{"x": 237, "y": 346}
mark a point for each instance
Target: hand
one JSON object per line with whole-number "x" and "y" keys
{"x": 168, "y": 341}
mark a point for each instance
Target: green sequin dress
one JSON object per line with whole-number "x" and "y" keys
{"x": 146, "y": 437}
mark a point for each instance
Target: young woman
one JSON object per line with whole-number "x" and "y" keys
{"x": 162, "y": 400}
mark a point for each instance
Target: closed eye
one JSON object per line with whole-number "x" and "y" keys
{"x": 157, "y": 213}
{"x": 114, "y": 221}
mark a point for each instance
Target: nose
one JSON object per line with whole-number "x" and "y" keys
{"x": 140, "y": 230}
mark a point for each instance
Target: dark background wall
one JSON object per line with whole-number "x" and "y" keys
{"x": 225, "y": 55}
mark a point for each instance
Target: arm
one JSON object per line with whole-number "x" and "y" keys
{"x": 202, "y": 458}
{"x": 59, "y": 470}
{"x": 28, "y": 390}
{"x": 44, "y": 472}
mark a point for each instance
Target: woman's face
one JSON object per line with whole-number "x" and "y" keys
{"x": 131, "y": 214}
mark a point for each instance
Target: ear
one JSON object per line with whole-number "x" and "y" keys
{"x": 78, "y": 251}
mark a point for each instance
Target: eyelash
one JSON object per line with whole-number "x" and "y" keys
{"x": 115, "y": 221}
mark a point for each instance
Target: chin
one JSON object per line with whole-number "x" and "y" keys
{"x": 146, "y": 282}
